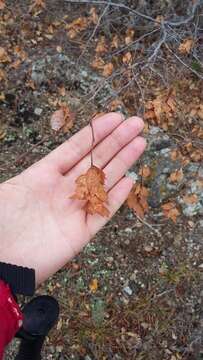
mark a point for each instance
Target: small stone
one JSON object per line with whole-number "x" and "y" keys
{"x": 145, "y": 325}
{"x": 59, "y": 348}
{"x": 148, "y": 248}
{"x": 38, "y": 111}
{"x": 128, "y": 230}
{"x": 127, "y": 242}
{"x": 87, "y": 357}
{"x": 128, "y": 290}
{"x": 200, "y": 266}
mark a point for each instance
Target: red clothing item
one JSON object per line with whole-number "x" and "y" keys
{"x": 10, "y": 317}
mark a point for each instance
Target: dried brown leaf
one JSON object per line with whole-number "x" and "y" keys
{"x": 176, "y": 176}
{"x": 62, "y": 119}
{"x": 93, "y": 286}
{"x": 137, "y": 200}
{"x": 2, "y": 5}
{"x": 186, "y": 46}
{"x": 127, "y": 58}
{"x": 90, "y": 187}
{"x": 145, "y": 171}
{"x": 101, "y": 47}
{"x": 190, "y": 199}
{"x": 170, "y": 211}
{"x": 108, "y": 69}
{"x": 4, "y": 57}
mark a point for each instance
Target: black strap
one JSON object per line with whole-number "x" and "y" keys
{"x": 20, "y": 279}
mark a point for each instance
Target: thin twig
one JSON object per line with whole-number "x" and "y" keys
{"x": 93, "y": 141}
{"x": 118, "y": 5}
{"x": 186, "y": 20}
{"x": 183, "y": 63}
{"x": 93, "y": 33}
{"x": 149, "y": 226}
{"x": 117, "y": 52}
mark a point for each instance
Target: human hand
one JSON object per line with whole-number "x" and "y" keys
{"x": 40, "y": 226}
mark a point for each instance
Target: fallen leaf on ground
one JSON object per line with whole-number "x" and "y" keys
{"x": 108, "y": 69}
{"x": 185, "y": 46}
{"x": 2, "y": 134}
{"x": 137, "y": 200}
{"x": 93, "y": 285}
{"x": 115, "y": 42}
{"x": 129, "y": 36}
{"x": 161, "y": 108}
{"x": 176, "y": 176}
{"x": 77, "y": 26}
{"x": 4, "y": 57}
{"x": 115, "y": 105}
{"x": 175, "y": 154}
{"x": 90, "y": 187}
{"x": 98, "y": 63}
{"x": 2, "y": 4}
{"x": 190, "y": 199}
{"x": 93, "y": 15}
{"x": 37, "y": 4}
{"x": 170, "y": 211}
{"x": 101, "y": 47}
{"x": 2, "y": 75}
{"x": 127, "y": 58}
{"x": 145, "y": 171}
{"x": 62, "y": 119}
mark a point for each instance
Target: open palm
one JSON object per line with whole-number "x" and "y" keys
{"x": 40, "y": 226}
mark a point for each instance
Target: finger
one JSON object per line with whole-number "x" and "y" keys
{"x": 68, "y": 154}
{"x": 110, "y": 146}
{"x": 117, "y": 196}
{"x": 118, "y": 166}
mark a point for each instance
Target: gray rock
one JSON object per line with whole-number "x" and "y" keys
{"x": 37, "y": 111}
{"x": 127, "y": 290}
{"x": 60, "y": 68}
{"x": 193, "y": 187}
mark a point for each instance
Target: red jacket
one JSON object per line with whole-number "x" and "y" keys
{"x": 10, "y": 317}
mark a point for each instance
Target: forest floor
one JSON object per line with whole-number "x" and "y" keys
{"x": 135, "y": 291}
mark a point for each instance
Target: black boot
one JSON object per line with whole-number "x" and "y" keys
{"x": 40, "y": 315}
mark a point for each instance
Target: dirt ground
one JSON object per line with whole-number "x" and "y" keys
{"x": 148, "y": 302}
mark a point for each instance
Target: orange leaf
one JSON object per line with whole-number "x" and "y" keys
{"x": 2, "y": 75}
{"x": 127, "y": 58}
{"x": 2, "y": 4}
{"x": 137, "y": 200}
{"x": 115, "y": 42}
{"x": 185, "y": 46}
{"x": 176, "y": 176}
{"x": 150, "y": 114}
{"x": 93, "y": 285}
{"x": 62, "y": 119}
{"x": 190, "y": 199}
{"x": 129, "y": 36}
{"x": 108, "y": 69}
{"x": 101, "y": 47}
{"x": 38, "y": 4}
{"x": 170, "y": 211}
{"x": 174, "y": 154}
{"x": 145, "y": 171}
{"x": 4, "y": 57}
{"x": 90, "y": 187}
{"x": 77, "y": 26}
{"x": 94, "y": 17}
{"x": 98, "y": 63}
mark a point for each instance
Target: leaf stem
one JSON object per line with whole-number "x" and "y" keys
{"x": 93, "y": 140}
